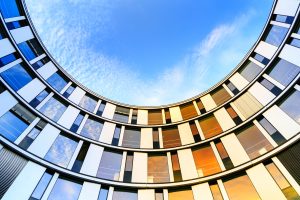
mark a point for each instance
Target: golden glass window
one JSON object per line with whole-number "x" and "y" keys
{"x": 215, "y": 190}
{"x": 180, "y": 195}
{"x": 154, "y": 117}
{"x": 171, "y": 137}
{"x": 205, "y": 161}
{"x": 210, "y": 126}
{"x": 158, "y": 170}
{"x": 176, "y": 167}
{"x": 188, "y": 111}
{"x": 220, "y": 95}
{"x": 167, "y": 116}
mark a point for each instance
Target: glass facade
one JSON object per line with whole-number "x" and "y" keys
{"x": 158, "y": 170}
{"x": 53, "y": 109}
{"x": 291, "y": 107}
{"x": 65, "y": 189}
{"x": 88, "y": 103}
{"x": 110, "y": 164}
{"x": 92, "y": 129}
{"x": 57, "y": 81}
{"x": 276, "y": 35}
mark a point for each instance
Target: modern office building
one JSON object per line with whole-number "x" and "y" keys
{"x": 239, "y": 140}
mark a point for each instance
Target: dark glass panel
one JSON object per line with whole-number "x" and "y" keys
{"x": 176, "y": 167}
{"x": 80, "y": 158}
{"x": 39, "y": 98}
{"x": 41, "y": 187}
{"x": 128, "y": 167}
{"x": 77, "y": 122}
{"x": 276, "y": 136}
{"x": 121, "y": 114}
{"x": 7, "y": 59}
{"x": 9, "y": 8}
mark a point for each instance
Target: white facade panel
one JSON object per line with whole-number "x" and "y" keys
{"x": 224, "y": 119}
{"x": 22, "y": 34}
{"x": 109, "y": 111}
{"x": 89, "y": 191}
{"x": 146, "y": 138}
{"x": 107, "y": 132}
{"x": 202, "y": 192}
{"x": 31, "y": 90}
{"x": 68, "y": 117}
{"x": 262, "y": 94}
{"x": 77, "y": 95}
{"x": 238, "y": 81}
{"x": 208, "y": 102}
{"x": 7, "y": 101}
{"x": 282, "y": 122}
{"x": 47, "y": 70}
{"x": 264, "y": 184}
{"x": 146, "y": 194}
{"x": 6, "y": 47}
{"x": 187, "y": 164}
{"x": 92, "y": 160}
{"x": 44, "y": 140}
{"x": 142, "y": 117}
{"x": 185, "y": 133}
{"x": 234, "y": 149}
{"x": 286, "y": 7}
{"x": 25, "y": 183}
{"x": 265, "y": 49}
{"x": 290, "y": 54}
{"x": 139, "y": 167}
{"x": 175, "y": 114}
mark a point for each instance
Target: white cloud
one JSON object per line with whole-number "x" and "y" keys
{"x": 67, "y": 32}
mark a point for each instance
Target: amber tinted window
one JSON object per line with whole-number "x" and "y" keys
{"x": 200, "y": 106}
{"x": 253, "y": 141}
{"x": 220, "y": 95}
{"x": 195, "y": 132}
{"x": 205, "y": 161}
{"x": 171, "y": 137}
{"x": 180, "y": 195}
{"x": 291, "y": 106}
{"x": 233, "y": 115}
{"x": 176, "y": 166}
{"x": 240, "y": 188}
{"x": 158, "y": 171}
{"x": 131, "y": 138}
{"x": 154, "y": 117}
{"x": 168, "y": 116}
{"x": 155, "y": 138}
{"x": 224, "y": 155}
{"x": 215, "y": 190}
{"x": 210, "y": 126}
{"x": 188, "y": 111}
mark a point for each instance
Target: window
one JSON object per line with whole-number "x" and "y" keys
{"x": 57, "y": 81}
{"x": 276, "y": 35}
{"x": 116, "y": 137}
{"x": 284, "y": 72}
{"x": 80, "y": 157}
{"x": 101, "y": 108}
{"x": 92, "y": 129}
{"x": 41, "y": 186}
{"x": 124, "y": 195}
{"x": 128, "y": 167}
{"x": 291, "y": 105}
{"x": 110, "y": 165}
{"x": 9, "y": 8}
{"x": 88, "y": 103}
{"x": 188, "y": 111}
{"x": 171, "y": 137}
{"x": 284, "y": 19}
{"x": 233, "y": 115}
{"x": 247, "y": 105}
{"x": 240, "y": 188}
{"x": 30, "y": 49}
{"x": 295, "y": 42}
{"x": 40, "y": 63}
{"x": 210, "y": 126}
{"x": 77, "y": 122}
{"x": 61, "y": 151}
{"x": 103, "y": 193}
{"x": 65, "y": 189}
{"x": 16, "y": 77}
{"x": 69, "y": 91}
{"x": 270, "y": 86}
{"x": 231, "y": 87}
{"x": 121, "y": 114}
{"x": 215, "y": 190}
{"x": 53, "y": 109}
{"x": 39, "y": 98}
{"x": 224, "y": 155}
{"x": 8, "y": 59}
{"x": 159, "y": 195}
{"x": 195, "y": 132}
{"x": 205, "y": 161}
{"x": 253, "y": 141}
{"x": 132, "y": 137}
{"x": 220, "y": 95}
{"x": 181, "y": 194}
{"x": 155, "y": 136}
{"x": 250, "y": 71}
{"x": 167, "y": 116}
{"x": 158, "y": 170}
{"x": 32, "y": 135}
{"x": 276, "y": 136}
{"x": 176, "y": 167}
{"x": 261, "y": 58}
{"x": 154, "y": 117}
{"x": 134, "y": 117}
{"x": 200, "y": 106}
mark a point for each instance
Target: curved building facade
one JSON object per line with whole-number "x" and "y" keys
{"x": 239, "y": 140}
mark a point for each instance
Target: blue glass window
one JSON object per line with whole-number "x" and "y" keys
{"x": 92, "y": 129}
{"x": 103, "y": 193}
{"x": 39, "y": 98}
{"x": 291, "y": 106}
{"x": 9, "y": 8}
{"x": 88, "y": 103}
{"x": 295, "y": 42}
{"x": 65, "y": 190}
{"x": 32, "y": 135}
{"x": 40, "y": 63}
{"x": 12, "y": 126}
{"x": 7, "y": 59}
{"x": 124, "y": 195}
{"x": 27, "y": 51}
{"x": 69, "y": 91}
{"x": 101, "y": 108}
{"x": 77, "y": 123}
{"x": 110, "y": 165}
{"x": 276, "y": 35}
{"x": 284, "y": 72}
{"x": 16, "y": 77}
{"x": 53, "y": 109}
{"x": 80, "y": 158}
{"x": 121, "y": 114}
{"x": 116, "y": 137}
{"x": 57, "y": 82}
{"x": 61, "y": 151}
{"x": 41, "y": 187}
{"x": 250, "y": 71}
{"x": 261, "y": 59}
{"x": 284, "y": 19}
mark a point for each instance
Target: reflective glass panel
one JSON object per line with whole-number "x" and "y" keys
{"x": 92, "y": 129}
{"x": 276, "y": 35}
{"x": 9, "y": 8}
{"x": 53, "y": 109}
{"x": 88, "y": 103}
{"x": 291, "y": 106}
{"x": 110, "y": 165}
{"x": 65, "y": 190}
{"x": 57, "y": 82}
{"x": 158, "y": 170}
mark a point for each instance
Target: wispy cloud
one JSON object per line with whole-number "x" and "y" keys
{"x": 66, "y": 33}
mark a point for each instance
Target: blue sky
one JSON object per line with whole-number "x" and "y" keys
{"x": 148, "y": 52}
